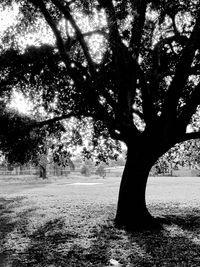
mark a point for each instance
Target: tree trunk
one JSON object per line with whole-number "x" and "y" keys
{"x": 132, "y": 212}
{"x": 43, "y": 172}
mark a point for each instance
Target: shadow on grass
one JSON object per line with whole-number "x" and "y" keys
{"x": 9, "y": 222}
{"x": 189, "y": 221}
{"x": 53, "y": 245}
{"x": 5, "y": 222}
{"x": 177, "y": 244}
{"x": 57, "y": 244}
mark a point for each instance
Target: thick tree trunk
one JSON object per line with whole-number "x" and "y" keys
{"x": 132, "y": 212}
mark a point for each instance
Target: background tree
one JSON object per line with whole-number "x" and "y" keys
{"x": 21, "y": 141}
{"x": 85, "y": 170}
{"x": 62, "y": 157}
{"x": 101, "y": 171}
{"x": 185, "y": 154}
{"x": 42, "y": 162}
{"x": 169, "y": 161}
{"x": 18, "y": 144}
{"x": 131, "y": 66}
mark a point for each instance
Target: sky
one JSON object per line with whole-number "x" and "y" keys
{"x": 20, "y": 103}
{"x": 7, "y": 19}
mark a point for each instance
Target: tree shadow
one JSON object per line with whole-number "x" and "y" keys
{"x": 9, "y": 221}
{"x": 189, "y": 221}
{"x": 55, "y": 243}
{"x": 176, "y": 244}
{"x": 6, "y": 225}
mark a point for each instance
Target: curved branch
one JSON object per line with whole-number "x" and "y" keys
{"x": 181, "y": 74}
{"x": 195, "y": 70}
{"x": 168, "y": 40}
{"x": 188, "y": 136}
{"x": 156, "y": 56}
{"x": 159, "y": 69}
{"x": 66, "y": 12}
{"x": 176, "y": 31}
{"x": 89, "y": 91}
{"x": 59, "y": 39}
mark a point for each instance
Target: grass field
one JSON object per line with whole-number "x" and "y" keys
{"x": 69, "y": 222}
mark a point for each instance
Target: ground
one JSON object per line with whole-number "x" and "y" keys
{"x": 69, "y": 222}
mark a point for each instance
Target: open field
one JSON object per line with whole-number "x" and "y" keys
{"x": 69, "y": 222}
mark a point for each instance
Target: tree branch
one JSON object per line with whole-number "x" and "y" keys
{"x": 88, "y": 85}
{"x": 60, "y": 43}
{"x": 156, "y": 56}
{"x": 89, "y": 91}
{"x": 108, "y": 98}
{"x": 39, "y": 124}
{"x": 195, "y": 70}
{"x": 168, "y": 40}
{"x": 66, "y": 12}
{"x": 114, "y": 39}
{"x": 139, "y": 113}
{"x": 188, "y": 136}
{"x": 181, "y": 74}
{"x": 147, "y": 102}
{"x": 100, "y": 31}
{"x": 124, "y": 65}
{"x": 138, "y": 24}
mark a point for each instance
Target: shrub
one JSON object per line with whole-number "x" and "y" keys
{"x": 101, "y": 171}
{"x": 85, "y": 170}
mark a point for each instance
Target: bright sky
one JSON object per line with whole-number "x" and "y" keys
{"x": 20, "y": 103}
{"x": 7, "y": 19}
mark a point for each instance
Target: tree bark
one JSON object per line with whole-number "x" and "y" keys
{"x": 132, "y": 212}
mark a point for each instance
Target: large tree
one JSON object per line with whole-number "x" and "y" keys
{"x": 131, "y": 66}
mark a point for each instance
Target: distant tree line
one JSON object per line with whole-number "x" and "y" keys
{"x": 186, "y": 154}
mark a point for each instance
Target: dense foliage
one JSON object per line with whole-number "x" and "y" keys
{"x": 123, "y": 65}
{"x": 16, "y": 139}
{"x": 21, "y": 140}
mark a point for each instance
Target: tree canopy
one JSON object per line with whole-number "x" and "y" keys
{"x": 134, "y": 73}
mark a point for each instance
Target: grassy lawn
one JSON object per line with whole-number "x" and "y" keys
{"x": 69, "y": 222}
